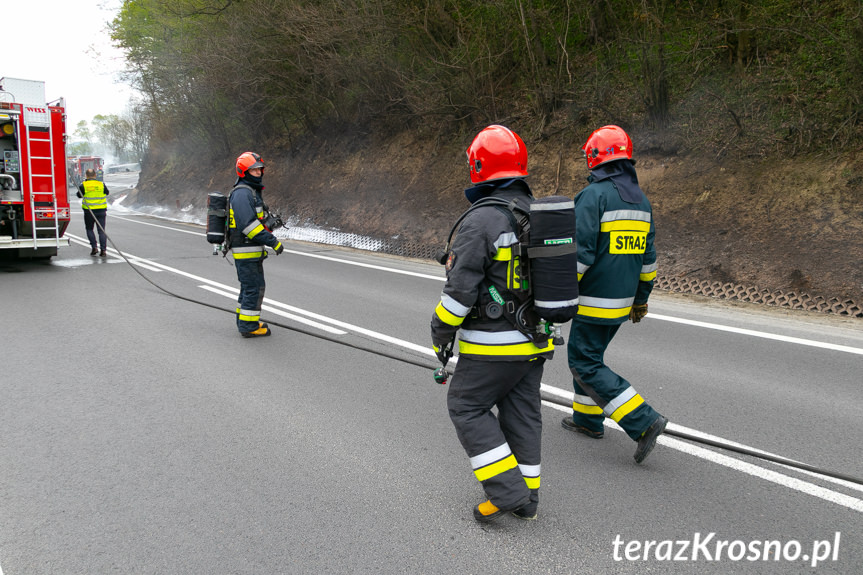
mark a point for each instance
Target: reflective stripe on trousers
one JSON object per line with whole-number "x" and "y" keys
{"x": 504, "y": 450}
{"x": 599, "y": 392}
{"x": 252, "y": 287}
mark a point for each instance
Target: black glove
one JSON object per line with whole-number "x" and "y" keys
{"x": 443, "y": 351}
{"x": 279, "y": 248}
{"x": 637, "y": 312}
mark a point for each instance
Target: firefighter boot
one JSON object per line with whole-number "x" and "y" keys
{"x": 648, "y": 439}
{"x": 263, "y": 330}
{"x": 528, "y": 512}
{"x": 486, "y": 512}
{"x": 569, "y": 424}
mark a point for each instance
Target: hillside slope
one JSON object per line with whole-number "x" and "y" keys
{"x": 793, "y": 224}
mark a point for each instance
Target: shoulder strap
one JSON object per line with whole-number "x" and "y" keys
{"x": 237, "y": 187}
{"x": 510, "y": 208}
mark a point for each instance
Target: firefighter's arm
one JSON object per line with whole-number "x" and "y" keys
{"x": 248, "y": 222}
{"x": 468, "y": 259}
{"x": 588, "y": 217}
{"x": 647, "y": 275}
{"x": 646, "y": 278}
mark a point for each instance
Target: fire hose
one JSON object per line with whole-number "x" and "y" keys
{"x": 441, "y": 375}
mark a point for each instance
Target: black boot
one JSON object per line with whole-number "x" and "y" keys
{"x": 648, "y": 439}
{"x": 528, "y": 511}
{"x": 569, "y": 424}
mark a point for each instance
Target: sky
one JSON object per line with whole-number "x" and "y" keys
{"x": 66, "y": 44}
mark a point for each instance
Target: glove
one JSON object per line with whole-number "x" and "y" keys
{"x": 443, "y": 351}
{"x": 279, "y": 248}
{"x": 637, "y": 312}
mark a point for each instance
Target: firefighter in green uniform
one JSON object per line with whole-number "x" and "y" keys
{"x": 497, "y": 364}
{"x": 616, "y": 270}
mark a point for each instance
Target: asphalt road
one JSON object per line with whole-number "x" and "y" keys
{"x": 140, "y": 434}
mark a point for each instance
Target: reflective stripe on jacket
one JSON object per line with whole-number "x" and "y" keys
{"x": 616, "y": 255}
{"x": 480, "y": 257}
{"x": 93, "y": 195}
{"x": 248, "y": 235}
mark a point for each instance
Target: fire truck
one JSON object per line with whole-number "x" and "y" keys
{"x": 34, "y": 202}
{"x": 78, "y": 166}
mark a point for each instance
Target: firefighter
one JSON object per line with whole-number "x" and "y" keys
{"x": 248, "y": 239}
{"x": 497, "y": 364}
{"x": 94, "y": 200}
{"x": 616, "y": 270}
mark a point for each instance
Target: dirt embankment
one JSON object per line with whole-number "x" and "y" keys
{"x": 790, "y": 224}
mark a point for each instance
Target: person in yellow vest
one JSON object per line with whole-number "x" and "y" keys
{"x": 94, "y": 200}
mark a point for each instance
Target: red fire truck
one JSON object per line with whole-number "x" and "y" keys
{"x": 78, "y": 166}
{"x": 34, "y": 202}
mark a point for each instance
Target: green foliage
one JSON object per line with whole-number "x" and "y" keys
{"x": 79, "y": 149}
{"x": 731, "y": 76}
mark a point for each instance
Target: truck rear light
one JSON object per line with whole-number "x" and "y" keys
{"x": 48, "y": 214}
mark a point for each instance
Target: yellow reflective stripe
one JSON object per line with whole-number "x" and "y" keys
{"x": 627, "y": 407}
{"x": 255, "y": 231}
{"x": 503, "y": 254}
{"x": 518, "y": 349}
{"x": 249, "y": 317}
{"x": 532, "y": 482}
{"x": 625, "y": 225}
{"x": 603, "y": 312}
{"x": 496, "y": 468}
{"x": 647, "y": 277}
{"x": 446, "y": 316}
{"x": 248, "y": 255}
{"x": 587, "y": 409}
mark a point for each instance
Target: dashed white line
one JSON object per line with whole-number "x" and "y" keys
{"x": 673, "y": 443}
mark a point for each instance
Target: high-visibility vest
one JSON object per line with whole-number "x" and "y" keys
{"x": 94, "y": 195}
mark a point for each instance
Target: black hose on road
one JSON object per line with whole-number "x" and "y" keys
{"x": 729, "y": 447}
{"x": 545, "y": 395}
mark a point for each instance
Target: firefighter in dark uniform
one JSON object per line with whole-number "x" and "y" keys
{"x": 94, "y": 200}
{"x": 616, "y": 270}
{"x": 248, "y": 240}
{"x": 497, "y": 364}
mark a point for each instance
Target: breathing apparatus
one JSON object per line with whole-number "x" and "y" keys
{"x": 218, "y": 215}
{"x": 542, "y": 275}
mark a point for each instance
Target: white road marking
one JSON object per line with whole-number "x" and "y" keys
{"x": 157, "y": 225}
{"x": 673, "y": 443}
{"x": 308, "y": 255}
{"x": 761, "y": 334}
{"x": 370, "y": 266}
{"x": 706, "y": 325}
{"x": 113, "y": 253}
{"x": 567, "y": 395}
{"x": 232, "y": 293}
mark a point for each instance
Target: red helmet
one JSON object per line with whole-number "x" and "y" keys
{"x": 247, "y": 161}
{"x": 606, "y": 144}
{"x": 496, "y": 153}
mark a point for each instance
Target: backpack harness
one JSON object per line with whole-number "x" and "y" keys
{"x": 542, "y": 276}
{"x": 218, "y": 232}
